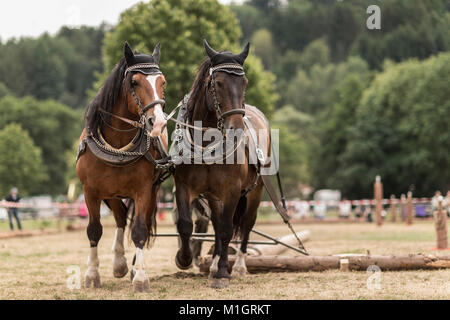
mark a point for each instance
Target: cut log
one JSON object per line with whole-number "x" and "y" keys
{"x": 322, "y": 263}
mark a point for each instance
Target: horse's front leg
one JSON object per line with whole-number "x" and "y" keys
{"x": 139, "y": 235}
{"x": 183, "y": 258}
{"x": 119, "y": 209}
{"x": 94, "y": 233}
{"x": 224, "y": 233}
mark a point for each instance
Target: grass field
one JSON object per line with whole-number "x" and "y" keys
{"x": 36, "y": 267}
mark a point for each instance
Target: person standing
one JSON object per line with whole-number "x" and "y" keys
{"x": 13, "y": 212}
{"x": 345, "y": 208}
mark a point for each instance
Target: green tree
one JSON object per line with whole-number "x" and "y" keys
{"x": 312, "y": 92}
{"x": 20, "y": 162}
{"x": 334, "y": 126}
{"x": 52, "y": 126}
{"x": 294, "y": 136}
{"x": 60, "y": 67}
{"x": 264, "y": 47}
{"x": 180, "y": 27}
{"x": 250, "y": 19}
{"x": 401, "y": 131}
{"x": 3, "y": 90}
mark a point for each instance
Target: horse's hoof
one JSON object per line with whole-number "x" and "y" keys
{"x": 220, "y": 283}
{"x": 183, "y": 265}
{"x": 120, "y": 268}
{"x": 140, "y": 282}
{"x": 239, "y": 272}
{"x": 140, "y": 286}
{"x": 92, "y": 279}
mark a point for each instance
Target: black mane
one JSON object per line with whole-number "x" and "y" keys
{"x": 108, "y": 95}
{"x": 198, "y": 90}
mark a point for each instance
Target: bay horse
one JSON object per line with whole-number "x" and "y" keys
{"x": 233, "y": 191}
{"x": 124, "y": 127}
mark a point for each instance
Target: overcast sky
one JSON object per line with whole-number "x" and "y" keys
{"x": 34, "y": 17}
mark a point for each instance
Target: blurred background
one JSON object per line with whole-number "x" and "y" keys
{"x": 350, "y": 102}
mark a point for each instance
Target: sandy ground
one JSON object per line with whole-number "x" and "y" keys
{"x": 37, "y": 267}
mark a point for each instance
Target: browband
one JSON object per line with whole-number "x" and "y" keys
{"x": 225, "y": 66}
{"x": 142, "y": 66}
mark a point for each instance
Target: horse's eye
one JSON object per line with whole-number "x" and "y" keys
{"x": 134, "y": 83}
{"x": 219, "y": 84}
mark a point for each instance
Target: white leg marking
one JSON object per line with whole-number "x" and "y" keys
{"x": 140, "y": 280}
{"x": 120, "y": 268}
{"x": 92, "y": 277}
{"x": 239, "y": 267}
{"x": 214, "y": 267}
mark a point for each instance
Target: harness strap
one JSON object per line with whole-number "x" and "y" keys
{"x": 152, "y": 104}
{"x": 134, "y": 123}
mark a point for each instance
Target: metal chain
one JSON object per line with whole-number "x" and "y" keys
{"x": 126, "y": 153}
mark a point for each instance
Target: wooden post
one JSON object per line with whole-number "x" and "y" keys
{"x": 393, "y": 209}
{"x": 441, "y": 226}
{"x": 378, "y": 191}
{"x": 402, "y": 207}
{"x": 410, "y": 209}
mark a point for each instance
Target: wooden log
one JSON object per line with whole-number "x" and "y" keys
{"x": 322, "y": 263}
{"x": 257, "y": 250}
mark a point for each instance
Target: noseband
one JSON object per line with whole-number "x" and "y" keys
{"x": 228, "y": 68}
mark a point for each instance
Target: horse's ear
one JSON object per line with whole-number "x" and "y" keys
{"x": 156, "y": 53}
{"x": 243, "y": 55}
{"x": 128, "y": 52}
{"x": 209, "y": 51}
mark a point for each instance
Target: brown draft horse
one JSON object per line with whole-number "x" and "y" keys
{"x": 233, "y": 211}
{"x": 135, "y": 81}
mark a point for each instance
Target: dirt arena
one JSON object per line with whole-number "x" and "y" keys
{"x": 36, "y": 267}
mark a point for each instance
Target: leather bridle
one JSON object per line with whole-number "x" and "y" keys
{"x": 228, "y": 68}
{"x": 144, "y": 121}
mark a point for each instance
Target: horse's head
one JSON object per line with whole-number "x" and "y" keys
{"x": 226, "y": 85}
{"x": 147, "y": 83}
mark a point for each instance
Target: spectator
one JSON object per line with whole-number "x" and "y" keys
{"x": 368, "y": 213}
{"x": 345, "y": 207}
{"x": 358, "y": 211}
{"x": 320, "y": 210}
{"x": 435, "y": 201}
{"x": 301, "y": 209}
{"x": 14, "y": 212}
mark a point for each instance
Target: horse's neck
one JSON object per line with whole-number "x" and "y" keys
{"x": 117, "y": 138}
{"x": 202, "y": 113}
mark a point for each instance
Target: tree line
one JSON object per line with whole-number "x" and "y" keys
{"x": 350, "y": 102}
